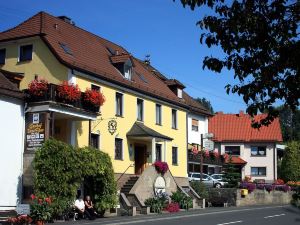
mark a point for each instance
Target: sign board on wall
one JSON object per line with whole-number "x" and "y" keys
{"x": 23, "y": 209}
{"x": 35, "y": 130}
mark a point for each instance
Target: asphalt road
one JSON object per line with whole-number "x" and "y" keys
{"x": 264, "y": 215}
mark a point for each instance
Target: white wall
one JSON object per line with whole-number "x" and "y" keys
{"x": 194, "y": 136}
{"x": 11, "y": 150}
{"x": 256, "y": 161}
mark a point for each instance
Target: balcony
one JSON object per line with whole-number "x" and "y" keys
{"x": 50, "y": 101}
{"x": 206, "y": 160}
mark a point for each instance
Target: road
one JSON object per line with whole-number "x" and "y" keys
{"x": 264, "y": 215}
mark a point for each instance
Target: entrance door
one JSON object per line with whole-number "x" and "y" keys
{"x": 139, "y": 159}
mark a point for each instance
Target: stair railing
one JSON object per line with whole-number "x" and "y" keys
{"x": 131, "y": 165}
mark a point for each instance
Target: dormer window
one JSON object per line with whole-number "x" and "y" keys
{"x": 127, "y": 70}
{"x": 175, "y": 86}
{"x": 123, "y": 62}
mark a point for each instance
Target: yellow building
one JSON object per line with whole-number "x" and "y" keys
{"x": 143, "y": 119}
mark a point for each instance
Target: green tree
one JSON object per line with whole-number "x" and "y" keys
{"x": 290, "y": 165}
{"x": 232, "y": 175}
{"x": 206, "y": 103}
{"x": 260, "y": 41}
{"x": 290, "y": 123}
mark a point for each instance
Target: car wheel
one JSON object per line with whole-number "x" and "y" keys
{"x": 218, "y": 185}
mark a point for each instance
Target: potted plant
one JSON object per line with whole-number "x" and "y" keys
{"x": 161, "y": 167}
{"x": 37, "y": 89}
{"x": 68, "y": 93}
{"x": 40, "y": 209}
{"x": 93, "y": 99}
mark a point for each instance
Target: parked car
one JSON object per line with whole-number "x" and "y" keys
{"x": 206, "y": 179}
{"x": 218, "y": 176}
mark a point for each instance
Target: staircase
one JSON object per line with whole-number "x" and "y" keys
{"x": 129, "y": 184}
{"x": 4, "y": 215}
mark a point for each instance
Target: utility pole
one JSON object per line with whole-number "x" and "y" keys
{"x": 201, "y": 158}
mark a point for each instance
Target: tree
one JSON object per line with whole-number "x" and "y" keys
{"x": 290, "y": 165}
{"x": 232, "y": 176}
{"x": 260, "y": 41}
{"x": 290, "y": 123}
{"x": 206, "y": 103}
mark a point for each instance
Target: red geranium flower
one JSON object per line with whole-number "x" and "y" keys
{"x": 94, "y": 97}
{"x": 38, "y": 87}
{"x": 68, "y": 91}
{"x": 32, "y": 197}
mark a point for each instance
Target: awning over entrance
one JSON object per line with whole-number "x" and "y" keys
{"x": 236, "y": 160}
{"x": 139, "y": 130}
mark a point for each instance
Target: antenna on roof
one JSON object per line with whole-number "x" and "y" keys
{"x": 147, "y": 59}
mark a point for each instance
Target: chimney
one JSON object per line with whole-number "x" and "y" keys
{"x": 241, "y": 113}
{"x": 66, "y": 19}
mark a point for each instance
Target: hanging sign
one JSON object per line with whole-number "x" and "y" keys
{"x": 112, "y": 126}
{"x": 35, "y": 130}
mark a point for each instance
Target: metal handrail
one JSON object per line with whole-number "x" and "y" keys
{"x": 131, "y": 165}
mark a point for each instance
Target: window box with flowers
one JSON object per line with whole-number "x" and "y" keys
{"x": 161, "y": 167}
{"x": 68, "y": 93}
{"x": 37, "y": 90}
{"x": 93, "y": 99}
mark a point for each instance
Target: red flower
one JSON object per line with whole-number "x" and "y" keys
{"x": 32, "y": 197}
{"x": 206, "y": 153}
{"x": 69, "y": 92}
{"x": 48, "y": 200}
{"x": 38, "y": 87}
{"x": 94, "y": 97}
{"x": 173, "y": 207}
{"x": 161, "y": 167}
{"x": 216, "y": 154}
{"x": 40, "y": 201}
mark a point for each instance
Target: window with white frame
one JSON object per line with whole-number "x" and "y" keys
{"x": 233, "y": 150}
{"x": 25, "y": 53}
{"x": 158, "y": 114}
{"x": 258, "y": 171}
{"x": 258, "y": 151}
{"x": 174, "y": 118}
{"x": 174, "y": 156}
{"x": 118, "y": 148}
{"x": 195, "y": 125}
{"x": 95, "y": 141}
{"x": 127, "y": 70}
{"x": 140, "y": 109}
{"x": 119, "y": 104}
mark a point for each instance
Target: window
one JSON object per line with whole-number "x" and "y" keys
{"x": 158, "y": 152}
{"x": 258, "y": 151}
{"x": 118, "y": 149}
{"x": 195, "y": 125}
{"x": 174, "y": 155}
{"x": 2, "y": 56}
{"x": 232, "y": 150}
{"x": 258, "y": 171}
{"x": 179, "y": 92}
{"x": 174, "y": 118}
{"x": 95, "y": 140}
{"x": 119, "y": 104}
{"x": 158, "y": 114}
{"x": 95, "y": 87}
{"x": 25, "y": 53}
{"x": 127, "y": 70}
{"x": 140, "y": 109}
{"x": 66, "y": 48}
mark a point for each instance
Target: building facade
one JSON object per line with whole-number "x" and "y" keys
{"x": 252, "y": 150}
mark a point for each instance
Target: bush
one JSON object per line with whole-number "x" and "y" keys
{"x": 200, "y": 189}
{"x": 296, "y": 198}
{"x": 59, "y": 170}
{"x": 290, "y": 165}
{"x": 173, "y": 207}
{"x": 156, "y": 204}
{"x": 184, "y": 201}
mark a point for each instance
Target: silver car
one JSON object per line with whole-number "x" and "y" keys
{"x": 206, "y": 179}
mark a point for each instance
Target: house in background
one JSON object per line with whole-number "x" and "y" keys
{"x": 12, "y": 139}
{"x": 252, "y": 150}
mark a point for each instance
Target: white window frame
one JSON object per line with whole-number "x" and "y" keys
{"x": 179, "y": 92}
{"x": 128, "y": 65}
{"x": 137, "y": 110}
{"x": 122, "y": 105}
{"x": 160, "y": 122}
{"x": 122, "y": 155}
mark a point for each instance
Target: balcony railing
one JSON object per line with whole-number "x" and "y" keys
{"x": 52, "y": 96}
{"x": 206, "y": 160}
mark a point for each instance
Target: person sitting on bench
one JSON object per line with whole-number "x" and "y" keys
{"x": 80, "y": 208}
{"x": 89, "y": 206}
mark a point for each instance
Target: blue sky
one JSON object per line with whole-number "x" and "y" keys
{"x": 161, "y": 28}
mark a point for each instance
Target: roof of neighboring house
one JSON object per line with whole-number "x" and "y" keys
{"x": 237, "y": 128}
{"x": 81, "y": 50}
{"x": 7, "y": 87}
{"x": 140, "y": 130}
{"x": 235, "y": 160}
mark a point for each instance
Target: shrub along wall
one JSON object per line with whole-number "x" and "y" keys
{"x": 60, "y": 169}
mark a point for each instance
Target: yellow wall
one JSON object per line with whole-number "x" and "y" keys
{"x": 43, "y": 63}
{"x": 125, "y": 123}
{"x": 46, "y": 65}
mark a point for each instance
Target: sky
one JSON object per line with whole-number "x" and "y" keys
{"x": 161, "y": 28}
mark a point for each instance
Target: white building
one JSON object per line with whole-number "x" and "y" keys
{"x": 253, "y": 150}
{"x": 11, "y": 140}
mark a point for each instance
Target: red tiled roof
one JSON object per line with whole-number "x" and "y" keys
{"x": 235, "y": 160}
{"x": 90, "y": 54}
{"x": 7, "y": 87}
{"x": 237, "y": 128}
{"x": 120, "y": 58}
